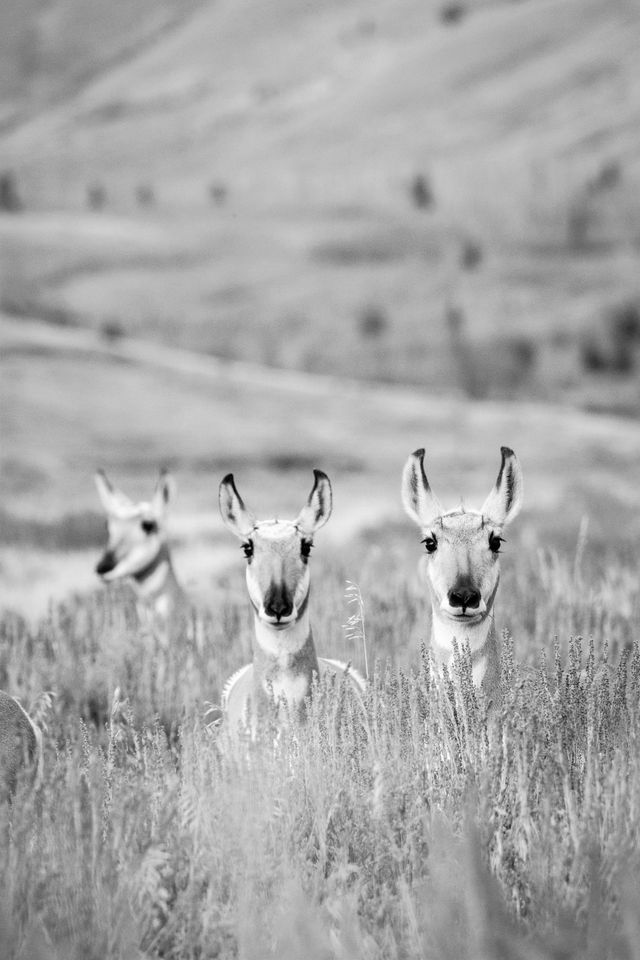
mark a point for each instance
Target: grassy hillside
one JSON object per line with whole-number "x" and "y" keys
{"x": 258, "y": 173}
{"x": 48, "y": 50}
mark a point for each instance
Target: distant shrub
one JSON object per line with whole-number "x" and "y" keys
{"x": 578, "y": 224}
{"x": 592, "y": 355}
{"x": 218, "y": 193}
{"x": 470, "y": 255}
{"x": 498, "y": 367}
{"x": 452, "y": 12}
{"x": 369, "y": 248}
{"x": 625, "y": 322}
{"x": 145, "y": 195}
{"x": 472, "y": 380}
{"x": 10, "y": 200}
{"x": 421, "y": 192}
{"x": 96, "y": 196}
{"x": 372, "y": 323}
{"x": 524, "y": 353}
{"x": 608, "y": 177}
{"x": 112, "y": 329}
{"x": 614, "y": 348}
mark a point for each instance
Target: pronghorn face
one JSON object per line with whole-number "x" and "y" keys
{"x": 462, "y": 547}
{"x": 137, "y": 531}
{"x": 277, "y": 551}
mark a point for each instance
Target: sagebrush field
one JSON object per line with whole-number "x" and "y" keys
{"x": 431, "y": 824}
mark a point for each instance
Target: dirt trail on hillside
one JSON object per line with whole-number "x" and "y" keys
{"x": 19, "y": 333}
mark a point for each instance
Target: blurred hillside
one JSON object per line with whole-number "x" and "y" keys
{"x": 383, "y": 190}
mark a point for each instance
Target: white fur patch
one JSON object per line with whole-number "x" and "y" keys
{"x": 292, "y": 687}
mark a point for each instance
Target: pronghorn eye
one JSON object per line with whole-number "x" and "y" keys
{"x": 149, "y": 526}
{"x": 248, "y": 549}
{"x": 305, "y": 548}
{"x": 430, "y": 543}
{"x": 494, "y": 542}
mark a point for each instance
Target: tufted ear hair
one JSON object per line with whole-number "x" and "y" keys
{"x": 115, "y": 502}
{"x": 232, "y": 509}
{"x": 418, "y": 498}
{"x": 505, "y": 500}
{"x": 317, "y": 509}
{"x": 164, "y": 493}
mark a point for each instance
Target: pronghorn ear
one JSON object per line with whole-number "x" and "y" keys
{"x": 165, "y": 492}
{"x": 113, "y": 500}
{"x": 417, "y": 496}
{"x": 505, "y": 500}
{"x": 317, "y": 509}
{"x": 234, "y": 513}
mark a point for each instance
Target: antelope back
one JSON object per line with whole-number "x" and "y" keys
{"x": 241, "y": 693}
{"x": 20, "y": 744}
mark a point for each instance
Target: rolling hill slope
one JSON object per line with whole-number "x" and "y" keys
{"x": 276, "y": 147}
{"x": 69, "y": 404}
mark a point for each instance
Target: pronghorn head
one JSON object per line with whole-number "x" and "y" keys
{"x": 277, "y": 551}
{"x": 137, "y": 531}
{"x": 462, "y": 546}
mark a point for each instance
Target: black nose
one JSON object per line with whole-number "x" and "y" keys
{"x": 106, "y": 562}
{"x": 464, "y": 596}
{"x": 278, "y": 602}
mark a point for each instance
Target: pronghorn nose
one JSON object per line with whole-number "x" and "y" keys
{"x": 106, "y": 562}
{"x": 277, "y": 602}
{"x": 464, "y": 596}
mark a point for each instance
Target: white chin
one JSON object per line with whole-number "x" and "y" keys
{"x": 277, "y": 624}
{"x": 463, "y": 617}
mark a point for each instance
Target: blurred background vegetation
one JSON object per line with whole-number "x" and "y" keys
{"x": 439, "y": 195}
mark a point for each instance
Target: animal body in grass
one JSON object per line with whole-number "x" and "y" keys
{"x": 461, "y": 568}
{"x": 20, "y": 745}
{"x": 285, "y": 661}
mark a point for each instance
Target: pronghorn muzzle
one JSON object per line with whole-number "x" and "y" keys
{"x": 278, "y": 603}
{"x": 464, "y": 595}
{"x": 106, "y": 563}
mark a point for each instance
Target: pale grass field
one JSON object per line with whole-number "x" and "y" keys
{"x": 426, "y": 826}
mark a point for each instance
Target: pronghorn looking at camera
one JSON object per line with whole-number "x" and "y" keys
{"x": 20, "y": 745}
{"x": 462, "y": 563}
{"x": 284, "y": 659}
{"x": 138, "y": 550}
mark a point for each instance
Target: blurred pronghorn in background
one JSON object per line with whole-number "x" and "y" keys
{"x": 138, "y": 551}
{"x": 20, "y": 745}
{"x": 278, "y": 581}
{"x": 462, "y": 565}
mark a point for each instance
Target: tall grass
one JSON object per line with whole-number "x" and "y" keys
{"x": 428, "y": 823}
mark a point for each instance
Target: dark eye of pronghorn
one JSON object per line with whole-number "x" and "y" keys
{"x": 305, "y": 549}
{"x": 248, "y": 549}
{"x": 149, "y": 526}
{"x": 430, "y": 543}
{"x": 494, "y": 542}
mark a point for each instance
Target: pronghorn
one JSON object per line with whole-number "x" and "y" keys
{"x": 462, "y": 563}
{"x": 20, "y": 744}
{"x": 138, "y": 550}
{"x": 284, "y": 657}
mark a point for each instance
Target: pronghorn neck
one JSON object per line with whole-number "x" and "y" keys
{"x": 157, "y": 580}
{"x": 281, "y": 645}
{"x": 480, "y": 636}
{"x": 285, "y": 661}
